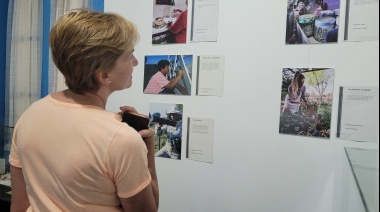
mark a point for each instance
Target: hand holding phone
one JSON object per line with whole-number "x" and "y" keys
{"x": 137, "y": 121}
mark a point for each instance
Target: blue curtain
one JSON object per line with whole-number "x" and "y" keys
{"x": 97, "y": 5}
{"x": 45, "y": 48}
{"x": 3, "y": 36}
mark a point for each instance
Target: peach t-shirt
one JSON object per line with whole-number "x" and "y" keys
{"x": 78, "y": 158}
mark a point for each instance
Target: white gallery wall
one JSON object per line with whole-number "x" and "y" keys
{"x": 254, "y": 167}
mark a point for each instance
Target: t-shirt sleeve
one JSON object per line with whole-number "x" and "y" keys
{"x": 127, "y": 162}
{"x": 14, "y": 158}
{"x": 156, "y": 83}
{"x": 161, "y": 81}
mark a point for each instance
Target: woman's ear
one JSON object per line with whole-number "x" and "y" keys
{"x": 103, "y": 78}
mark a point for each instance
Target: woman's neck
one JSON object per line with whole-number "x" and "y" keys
{"x": 102, "y": 99}
{"x": 88, "y": 98}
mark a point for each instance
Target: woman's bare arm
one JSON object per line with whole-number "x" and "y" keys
{"x": 20, "y": 201}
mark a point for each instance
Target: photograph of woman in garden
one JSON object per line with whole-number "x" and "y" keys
{"x": 306, "y": 102}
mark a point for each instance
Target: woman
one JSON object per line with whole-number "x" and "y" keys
{"x": 179, "y": 27}
{"x": 70, "y": 154}
{"x": 296, "y": 94}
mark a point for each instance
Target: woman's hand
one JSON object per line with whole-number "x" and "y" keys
{"x": 177, "y": 11}
{"x": 126, "y": 108}
{"x": 148, "y": 137}
{"x": 147, "y": 134}
{"x": 295, "y": 101}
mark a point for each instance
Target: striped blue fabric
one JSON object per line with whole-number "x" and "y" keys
{"x": 45, "y": 48}
{"x": 3, "y": 47}
{"x": 97, "y": 5}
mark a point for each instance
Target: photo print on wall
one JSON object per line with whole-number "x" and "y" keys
{"x": 166, "y": 120}
{"x": 168, "y": 74}
{"x": 306, "y": 101}
{"x": 312, "y": 21}
{"x": 169, "y": 22}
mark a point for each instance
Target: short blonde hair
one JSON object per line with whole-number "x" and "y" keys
{"x": 84, "y": 42}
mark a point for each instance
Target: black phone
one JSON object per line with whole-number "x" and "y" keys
{"x": 165, "y": 2}
{"x": 135, "y": 120}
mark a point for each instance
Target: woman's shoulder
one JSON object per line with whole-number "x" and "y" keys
{"x": 126, "y": 136}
